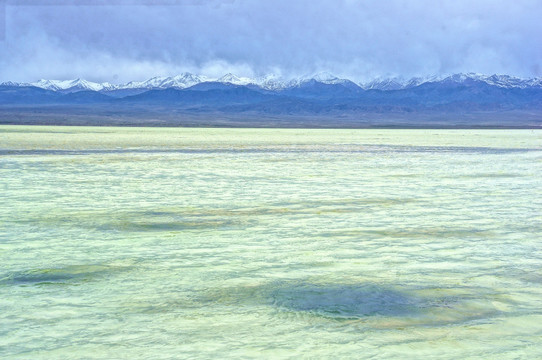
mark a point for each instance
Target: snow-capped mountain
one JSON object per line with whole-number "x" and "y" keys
{"x": 270, "y": 82}
{"x": 416, "y": 81}
{"x": 276, "y": 83}
{"x": 267, "y": 82}
{"x": 71, "y": 85}
{"x": 507, "y": 81}
{"x": 320, "y": 95}
{"x": 232, "y": 79}
{"x": 502, "y": 81}
{"x": 398, "y": 83}
{"x": 385, "y": 84}
{"x": 180, "y": 81}
{"x": 10, "y": 83}
{"x": 321, "y": 77}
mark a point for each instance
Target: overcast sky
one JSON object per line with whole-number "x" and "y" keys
{"x": 361, "y": 40}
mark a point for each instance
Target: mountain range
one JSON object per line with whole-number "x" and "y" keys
{"x": 491, "y": 100}
{"x": 276, "y": 83}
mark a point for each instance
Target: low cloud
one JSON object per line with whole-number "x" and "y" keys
{"x": 133, "y": 40}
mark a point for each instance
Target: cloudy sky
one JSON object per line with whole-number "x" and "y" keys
{"x": 123, "y": 40}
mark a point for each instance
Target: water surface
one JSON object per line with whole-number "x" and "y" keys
{"x": 138, "y": 243}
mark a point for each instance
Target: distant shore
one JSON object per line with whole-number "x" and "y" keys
{"x": 169, "y": 117}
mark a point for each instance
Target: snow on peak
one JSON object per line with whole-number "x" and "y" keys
{"x": 235, "y": 80}
{"x": 384, "y": 84}
{"x": 276, "y": 83}
{"x": 180, "y": 81}
{"x": 47, "y": 84}
{"x": 507, "y": 81}
{"x": 12, "y": 83}
{"x": 321, "y": 77}
{"x": 504, "y": 81}
{"x": 324, "y": 77}
{"x": 271, "y": 82}
{"x": 416, "y": 81}
{"x": 70, "y": 85}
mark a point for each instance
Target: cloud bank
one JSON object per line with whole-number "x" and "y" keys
{"x": 124, "y": 40}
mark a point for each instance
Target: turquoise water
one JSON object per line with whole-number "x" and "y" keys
{"x": 132, "y": 243}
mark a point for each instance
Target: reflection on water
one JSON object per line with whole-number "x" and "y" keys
{"x": 222, "y": 243}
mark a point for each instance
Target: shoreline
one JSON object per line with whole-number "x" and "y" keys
{"x": 286, "y": 127}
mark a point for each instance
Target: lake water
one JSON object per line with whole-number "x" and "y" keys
{"x": 154, "y": 243}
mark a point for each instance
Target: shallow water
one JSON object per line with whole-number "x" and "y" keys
{"x": 228, "y": 243}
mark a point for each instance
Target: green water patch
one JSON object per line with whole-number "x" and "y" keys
{"x": 192, "y": 218}
{"x": 136, "y": 221}
{"x": 240, "y": 216}
{"x": 33, "y": 131}
{"x": 71, "y": 274}
{"x": 280, "y": 208}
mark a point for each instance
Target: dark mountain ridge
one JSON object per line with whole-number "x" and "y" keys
{"x": 341, "y": 99}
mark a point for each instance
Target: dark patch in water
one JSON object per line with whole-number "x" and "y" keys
{"x": 358, "y": 301}
{"x": 336, "y": 301}
{"x": 171, "y": 225}
{"x": 345, "y": 301}
{"x": 146, "y": 221}
{"x": 65, "y": 275}
{"x": 291, "y": 208}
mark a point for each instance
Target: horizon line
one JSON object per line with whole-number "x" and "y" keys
{"x": 273, "y": 76}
